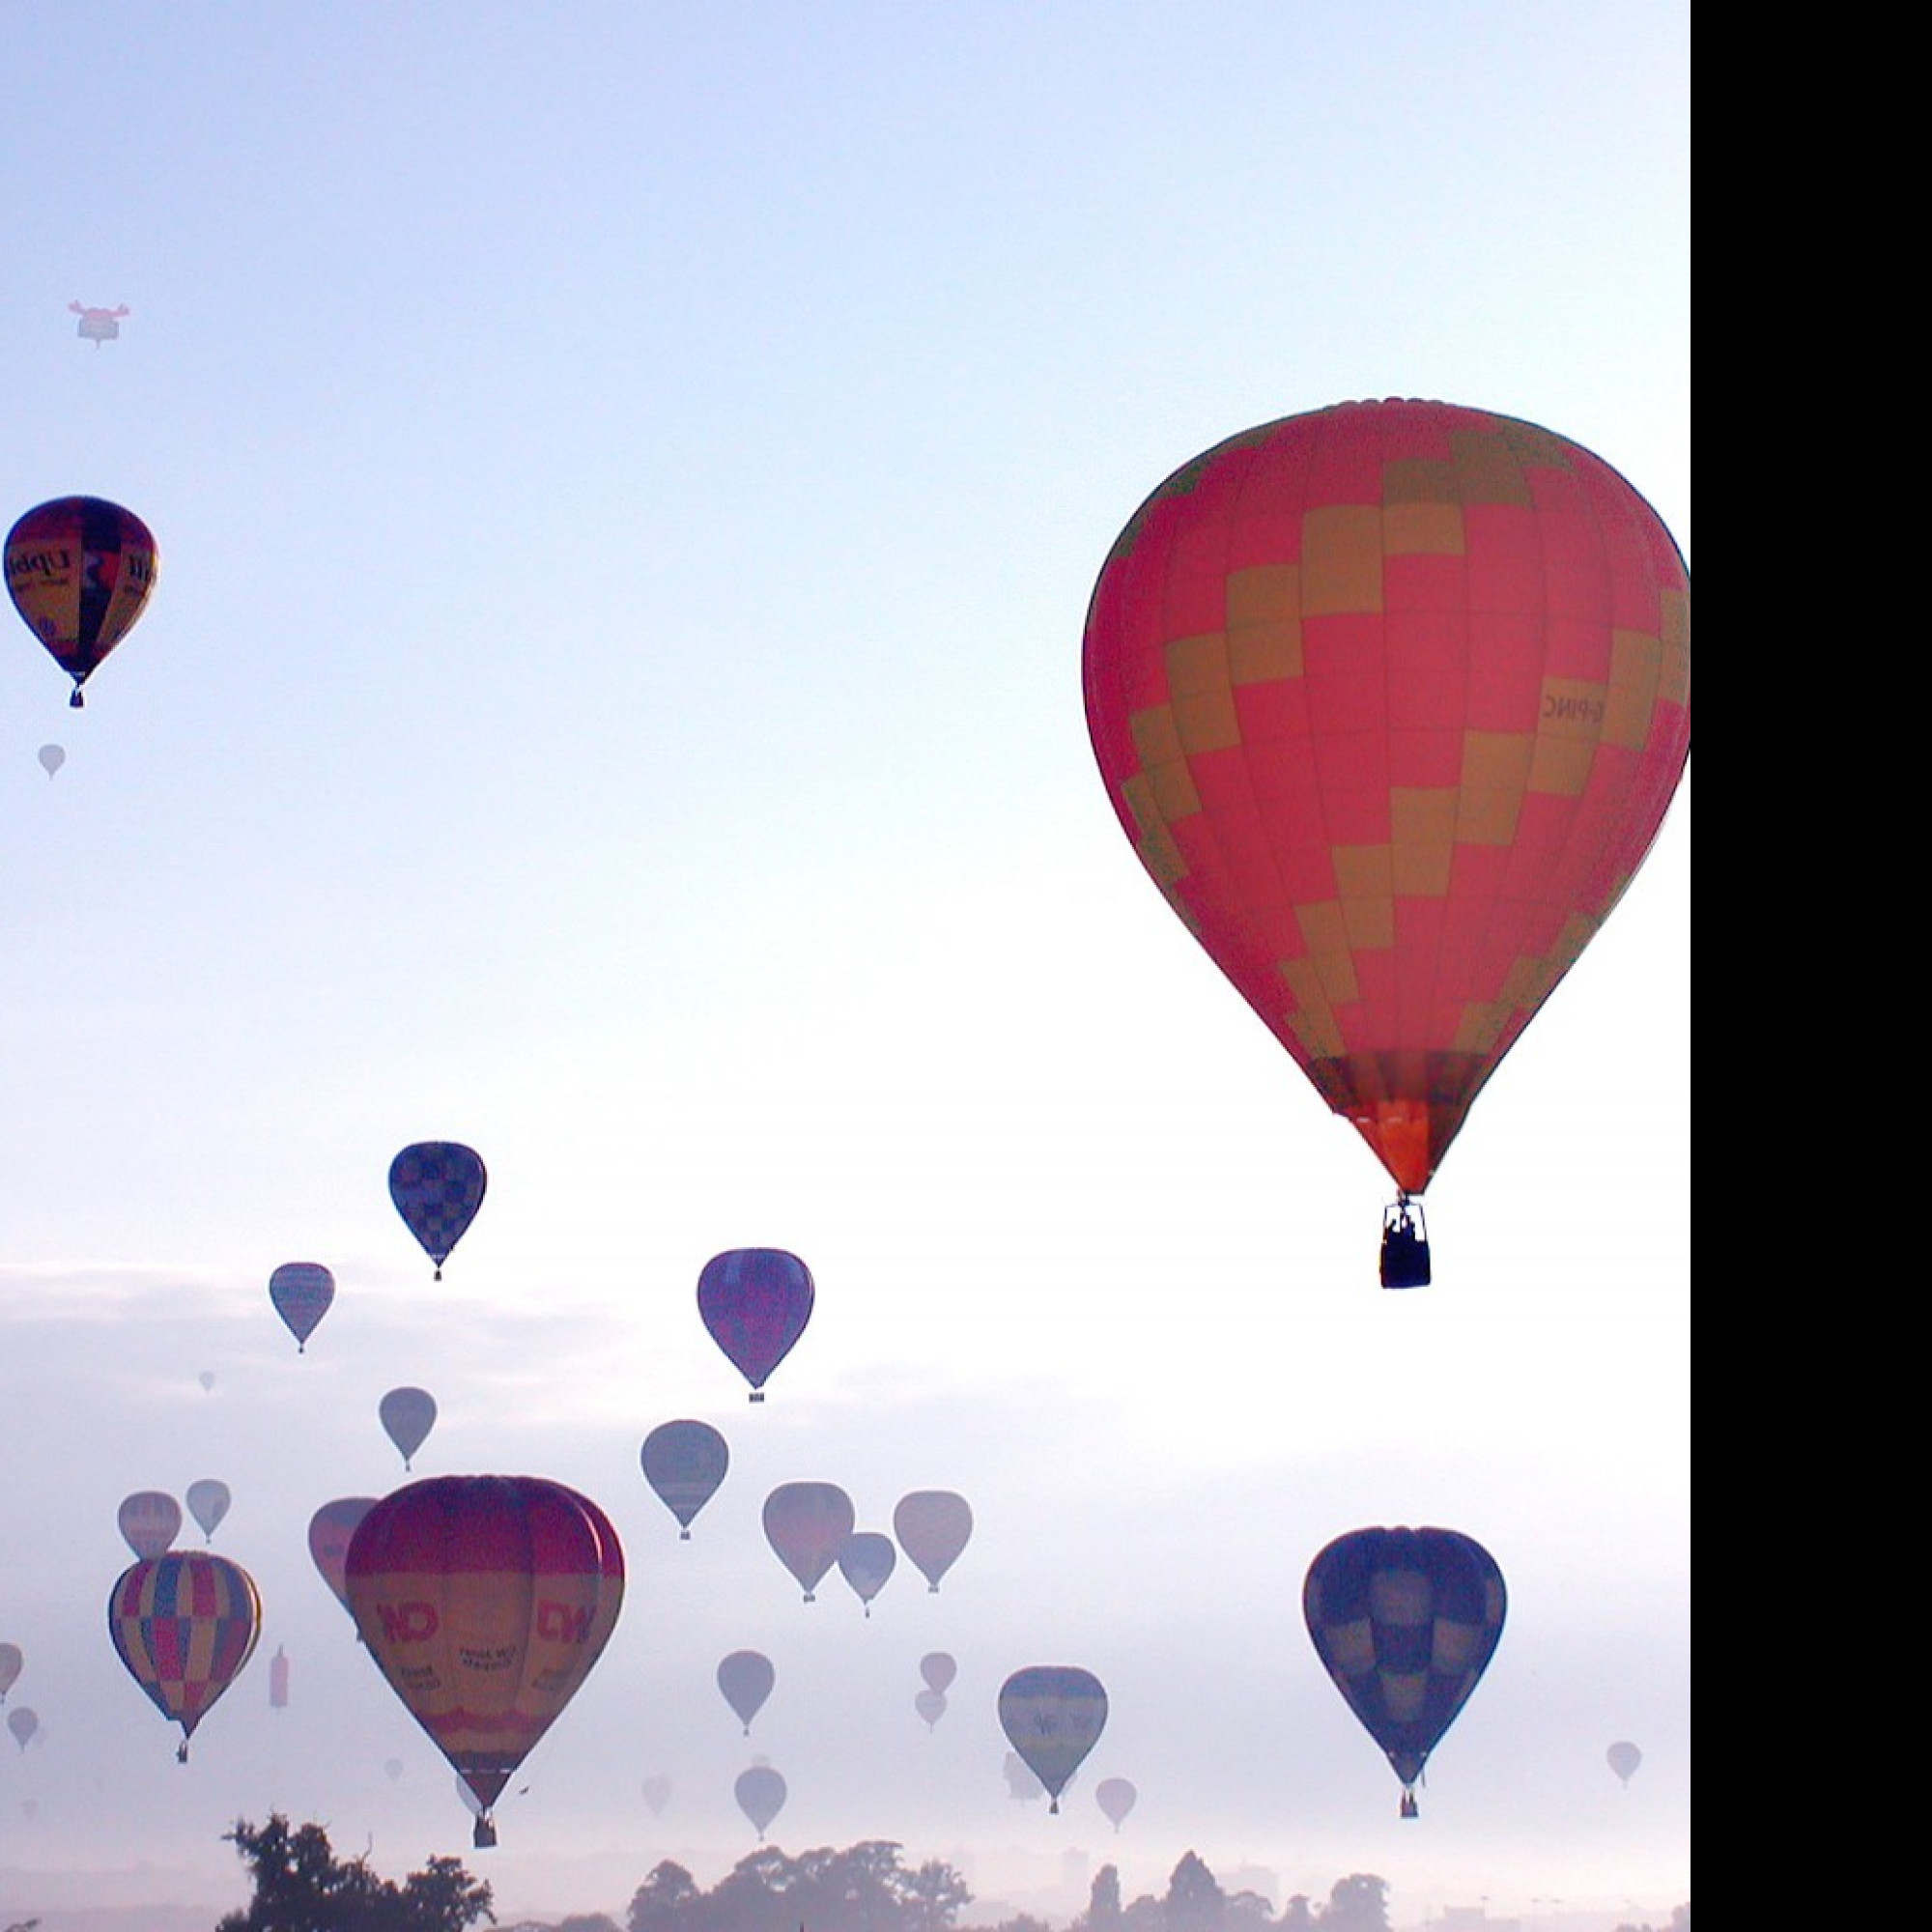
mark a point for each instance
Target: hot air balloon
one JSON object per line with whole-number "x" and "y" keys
{"x": 185, "y": 1624}
{"x": 932, "y": 1526}
{"x": 97, "y": 325}
{"x": 438, "y": 1187}
{"x": 408, "y": 1416}
{"x": 11, "y": 1663}
{"x": 23, "y": 1722}
{"x": 301, "y": 1291}
{"x": 1116, "y": 1796}
{"x": 657, "y": 1794}
{"x": 485, "y": 1602}
{"x": 392, "y": 1770}
{"x": 80, "y": 571}
{"x": 1053, "y": 1715}
{"x": 684, "y": 1463}
{"x": 938, "y": 1670}
{"x": 754, "y": 1302}
{"x": 930, "y": 1705}
{"x": 278, "y": 1680}
{"x": 1405, "y": 1621}
{"x": 746, "y": 1677}
{"x": 150, "y": 1521}
{"x": 808, "y": 1523}
{"x": 208, "y": 1503}
{"x": 206, "y": 1379}
{"x": 1624, "y": 1759}
{"x": 330, "y": 1530}
{"x": 761, "y": 1796}
{"x": 866, "y": 1559}
{"x": 1390, "y": 699}
{"x": 52, "y": 757}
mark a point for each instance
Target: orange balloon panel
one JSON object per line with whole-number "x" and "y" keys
{"x": 1392, "y": 699}
{"x": 485, "y": 1602}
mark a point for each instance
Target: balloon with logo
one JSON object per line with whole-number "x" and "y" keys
{"x": 1624, "y": 1759}
{"x": 1390, "y": 699}
{"x": 754, "y": 1303}
{"x": 1116, "y": 1796}
{"x": 1053, "y": 1715}
{"x": 80, "y": 571}
{"x": 761, "y": 1795}
{"x": 185, "y": 1624}
{"x": 807, "y": 1524}
{"x": 485, "y": 1602}
{"x": 866, "y": 1559}
{"x": 746, "y": 1677}
{"x": 408, "y": 1416}
{"x": 150, "y": 1520}
{"x": 438, "y": 1187}
{"x": 208, "y": 1502}
{"x": 11, "y": 1662}
{"x": 932, "y": 1526}
{"x": 1405, "y": 1621}
{"x": 301, "y": 1292}
{"x": 684, "y": 1463}
{"x": 330, "y": 1530}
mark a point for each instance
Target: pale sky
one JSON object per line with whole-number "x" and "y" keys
{"x": 628, "y": 484}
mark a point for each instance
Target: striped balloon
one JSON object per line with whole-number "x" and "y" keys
{"x": 185, "y": 1624}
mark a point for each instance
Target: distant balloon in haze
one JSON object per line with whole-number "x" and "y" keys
{"x": 52, "y": 757}
{"x": 761, "y": 1796}
{"x": 930, "y": 1705}
{"x": 150, "y": 1521}
{"x": 408, "y": 1416}
{"x": 684, "y": 1463}
{"x": 330, "y": 1530}
{"x": 1053, "y": 1715}
{"x": 1624, "y": 1759}
{"x": 438, "y": 1187}
{"x": 1116, "y": 1796}
{"x": 392, "y": 1768}
{"x": 867, "y": 1560}
{"x": 184, "y": 1625}
{"x": 206, "y": 1379}
{"x": 657, "y": 1794}
{"x": 746, "y": 1677}
{"x": 807, "y": 1524}
{"x": 80, "y": 571}
{"x": 301, "y": 1292}
{"x": 11, "y": 1664}
{"x": 208, "y": 1502}
{"x": 99, "y": 324}
{"x": 932, "y": 1526}
{"x": 24, "y": 1722}
{"x": 754, "y": 1303}
{"x": 938, "y": 1670}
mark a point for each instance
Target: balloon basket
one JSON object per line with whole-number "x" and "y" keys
{"x": 1405, "y": 1260}
{"x": 484, "y": 1836}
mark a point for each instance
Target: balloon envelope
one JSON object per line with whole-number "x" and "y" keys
{"x": 11, "y": 1664}
{"x": 23, "y": 1722}
{"x": 930, "y": 1705}
{"x": 208, "y": 1502}
{"x": 80, "y": 571}
{"x": 52, "y": 757}
{"x": 761, "y": 1795}
{"x": 1053, "y": 1715}
{"x": 150, "y": 1521}
{"x": 657, "y": 1794}
{"x": 301, "y": 1292}
{"x": 807, "y": 1524}
{"x": 684, "y": 1463}
{"x": 932, "y": 1526}
{"x": 1116, "y": 1796}
{"x": 1624, "y": 1759}
{"x": 754, "y": 1302}
{"x": 1406, "y": 1621}
{"x": 485, "y": 1602}
{"x": 746, "y": 1677}
{"x": 438, "y": 1187}
{"x": 1390, "y": 699}
{"x": 867, "y": 1560}
{"x": 185, "y": 1624}
{"x": 330, "y": 1530}
{"x": 408, "y": 1416}
{"x": 938, "y": 1670}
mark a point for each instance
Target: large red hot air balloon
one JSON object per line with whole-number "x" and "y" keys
{"x": 754, "y": 1302}
{"x": 1392, "y": 699}
{"x": 183, "y": 1624}
{"x": 485, "y": 1602}
{"x": 80, "y": 571}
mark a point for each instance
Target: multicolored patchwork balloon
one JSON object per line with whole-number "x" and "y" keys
{"x": 438, "y": 1187}
{"x": 185, "y": 1624}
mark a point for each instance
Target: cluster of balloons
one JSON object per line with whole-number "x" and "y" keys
{"x": 812, "y": 1525}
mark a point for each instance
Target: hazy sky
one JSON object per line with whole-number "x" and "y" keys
{"x": 629, "y": 480}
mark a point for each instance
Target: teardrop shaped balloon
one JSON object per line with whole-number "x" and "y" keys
{"x": 438, "y": 1187}
{"x": 11, "y": 1662}
{"x": 657, "y": 1792}
{"x": 746, "y": 1677}
{"x": 761, "y": 1795}
{"x": 754, "y": 1302}
{"x": 393, "y": 1769}
{"x": 684, "y": 1463}
{"x": 23, "y": 1722}
{"x": 185, "y": 1624}
{"x": 932, "y": 1526}
{"x": 52, "y": 757}
{"x": 301, "y": 1292}
{"x": 1053, "y": 1715}
{"x": 1405, "y": 1621}
{"x": 1624, "y": 1759}
{"x": 485, "y": 1602}
{"x": 330, "y": 1530}
{"x": 807, "y": 1523}
{"x": 208, "y": 1502}
{"x": 1390, "y": 699}
{"x": 938, "y": 1669}
{"x": 408, "y": 1416}
{"x": 1116, "y": 1796}
{"x": 150, "y": 1520}
{"x": 866, "y": 1559}
{"x": 207, "y": 1381}
{"x": 80, "y": 571}
{"x": 930, "y": 1704}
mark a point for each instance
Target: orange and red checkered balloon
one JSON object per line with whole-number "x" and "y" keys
{"x": 1392, "y": 699}
{"x": 185, "y": 1624}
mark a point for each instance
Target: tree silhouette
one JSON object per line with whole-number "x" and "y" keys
{"x": 301, "y": 1886}
{"x": 864, "y": 1887}
{"x": 1357, "y": 1903}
